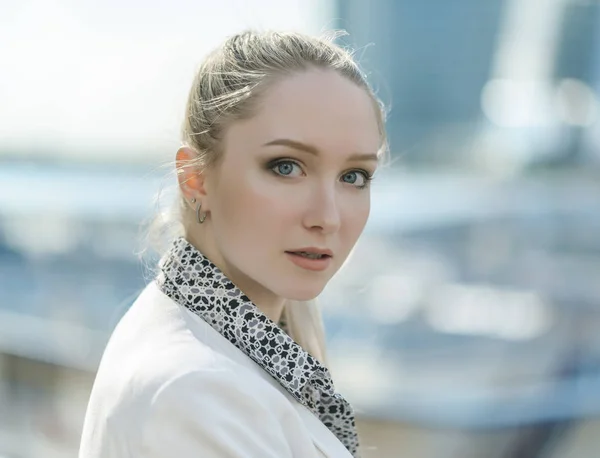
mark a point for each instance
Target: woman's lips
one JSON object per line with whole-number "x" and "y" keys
{"x": 314, "y": 264}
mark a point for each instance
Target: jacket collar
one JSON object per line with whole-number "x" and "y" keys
{"x": 193, "y": 281}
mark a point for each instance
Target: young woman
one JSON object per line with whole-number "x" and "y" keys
{"x": 222, "y": 355}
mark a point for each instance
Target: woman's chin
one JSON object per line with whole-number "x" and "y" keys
{"x": 307, "y": 294}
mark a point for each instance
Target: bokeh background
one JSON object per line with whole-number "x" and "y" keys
{"x": 465, "y": 324}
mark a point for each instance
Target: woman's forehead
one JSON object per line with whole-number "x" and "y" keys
{"x": 316, "y": 107}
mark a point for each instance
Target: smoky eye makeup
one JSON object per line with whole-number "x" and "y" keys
{"x": 283, "y": 166}
{"x": 366, "y": 178}
{"x": 288, "y": 167}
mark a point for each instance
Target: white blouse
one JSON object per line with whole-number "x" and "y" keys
{"x": 170, "y": 385}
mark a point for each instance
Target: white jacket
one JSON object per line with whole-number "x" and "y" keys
{"x": 169, "y": 385}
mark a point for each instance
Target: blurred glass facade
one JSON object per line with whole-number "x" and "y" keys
{"x": 465, "y": 323}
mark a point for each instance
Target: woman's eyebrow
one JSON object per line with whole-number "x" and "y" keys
{"x": 315, "y": 151}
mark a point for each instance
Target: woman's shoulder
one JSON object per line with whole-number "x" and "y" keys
{"x": 160, "y": 349}
{"x": 158, "y": 401}
{"x": 165, "y": 373}
{"x": 155, "y": 342}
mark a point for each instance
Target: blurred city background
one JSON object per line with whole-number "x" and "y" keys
{"x": 465, "y": 324}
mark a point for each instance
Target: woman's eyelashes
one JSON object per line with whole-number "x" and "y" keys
{"x": 285, "y": 167}
{"x": 358, "y": 178}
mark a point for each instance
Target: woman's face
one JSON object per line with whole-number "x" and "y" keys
{"x": 293, "y": 179}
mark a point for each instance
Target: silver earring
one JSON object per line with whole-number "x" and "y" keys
{"x": 193, "y": 200}
{"x": 198, "y": 217}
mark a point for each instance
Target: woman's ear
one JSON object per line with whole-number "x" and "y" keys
{"x": 190, "y": 176}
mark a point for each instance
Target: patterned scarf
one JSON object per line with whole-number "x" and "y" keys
{"x": 193, "y": 281}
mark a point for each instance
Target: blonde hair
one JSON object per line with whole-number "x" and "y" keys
{"x": 227, "y": 88}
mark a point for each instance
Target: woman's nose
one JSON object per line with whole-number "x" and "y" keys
{"x": 323, "y": 211}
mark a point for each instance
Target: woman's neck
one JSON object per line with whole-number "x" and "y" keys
{"x": 267, "y": 302}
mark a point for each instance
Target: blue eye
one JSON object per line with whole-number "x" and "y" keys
{"x": 357, "y": 178}
{"x": 350, "y": 177}
{"x": 286, "y": 168}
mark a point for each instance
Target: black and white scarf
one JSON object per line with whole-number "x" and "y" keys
{"x": 193, "y": 281}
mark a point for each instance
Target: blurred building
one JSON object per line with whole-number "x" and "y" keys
{"x": 434, "y": 93}
{"x": 448, "y": 70}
